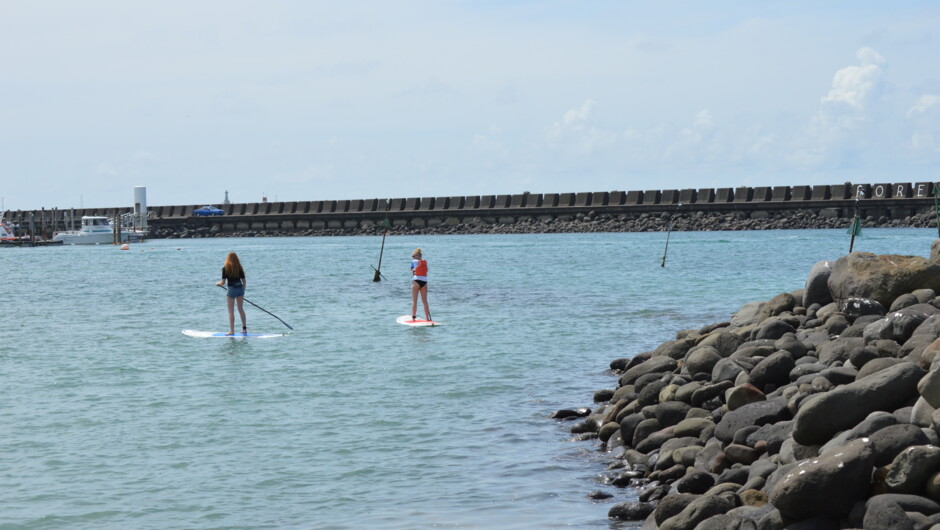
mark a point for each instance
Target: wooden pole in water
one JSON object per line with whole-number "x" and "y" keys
{"x": 855, "y": 221}
{"x": 669, "y": 231}
{"x": 936, "y": 208}
{"x": 377, "y": 277}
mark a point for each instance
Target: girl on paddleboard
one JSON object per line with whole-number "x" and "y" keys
{"x": 419, "y": 284}
{"x": 234, "y": 274}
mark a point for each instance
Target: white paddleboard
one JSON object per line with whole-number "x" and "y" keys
{"x": 237, "y": 335}
{"x": 408, "y": 321}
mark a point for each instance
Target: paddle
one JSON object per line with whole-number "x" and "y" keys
{"x": 263, "y": 309}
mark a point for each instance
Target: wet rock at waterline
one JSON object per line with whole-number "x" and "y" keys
{"x": 788, "y": 415}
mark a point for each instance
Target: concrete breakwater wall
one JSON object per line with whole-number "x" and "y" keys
{"x": 878, "y": 202}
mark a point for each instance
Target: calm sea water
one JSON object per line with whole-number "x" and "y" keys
{"x": 111, "y": 418}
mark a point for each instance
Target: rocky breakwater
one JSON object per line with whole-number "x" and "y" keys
{"x": 588, "y": 222}
{"x": 818, "y": 408}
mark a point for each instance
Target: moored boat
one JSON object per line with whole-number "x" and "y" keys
{"x": 95, "y": 230}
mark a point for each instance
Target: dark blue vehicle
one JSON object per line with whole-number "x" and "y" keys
{"x": 208, "y": 210}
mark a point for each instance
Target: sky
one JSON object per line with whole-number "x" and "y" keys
{"x": 313, "y": 100}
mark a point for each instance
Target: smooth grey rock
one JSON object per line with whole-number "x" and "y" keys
{"x": 881, "y": 277}
{"x": 922, "y": 413}
{"x": 911, "y": 468}
{"x": 839, "y": 349}
{"x": 695, "y": 481}
{"x": 747, "y": 315}
{"x": 876, "y": 365}
{"x": 781, "y": 303}
{"x": 702, "y": 360}
{"x": 827, "y": 486}
{"x": 759, "y": 413}
{"x": 698, "y": 510}
{"x": 773, "y": 328}
{"x": 870, "y": 425}
{"x": 774, "y": 370}
{"x": 882, "y": 512}
{"x": 672, "y": 505}
{"x": 772, "y": 434}
{"x": 821, "y": 416}
{"x": 816, "y": 290}
{"x": 890, "y": 441}
{"x": 631, "y": 511}
{"x": 929, "y": 388}
{"x": 653, "y": 365}
{"x": 671, "y": 412}
{"x": 723, "y": 342}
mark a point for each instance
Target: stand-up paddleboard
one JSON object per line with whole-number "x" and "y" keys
{"x": 237, "y": 335}
{"x": 408, "y": 321}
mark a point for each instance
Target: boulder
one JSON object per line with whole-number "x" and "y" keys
{"x": 742, "y": 395}
{"x": 881, "y": 277}
{"x": 905, "y": 300}
{"x": 747, "y": 315}
{"x": 722, "y": 341}
{"x": 757, "y": 414}
{"x": 698, "y": 510}
{"x": 702, "y": 360}
{"x": 774, "y": 370}
{"x": 839, "y": 349}
{"x": 875, "y": 366}
{"x": 691, "y": 426}
{"x": 781, "y": 303}
{"x": 773, "y": 329}
{"x": 672, "y": 505}
{"x": 855, "y": 308}
{"x": 909, "y": 471}
{"x": 890, "y": 441}
{"x": 826, "y": 486}
{"x": 816, "y": 290}
{"x": 929, "y": 388}
{"x": 823, "y": 415}
{"x": 671, "y": 412}
{"x": 695, "y": 481}
{"x": 773, "y": 435}
{"x": 882, "y": 512}
{"x": 653, "y": 365}
{"x": 631, "y": 511}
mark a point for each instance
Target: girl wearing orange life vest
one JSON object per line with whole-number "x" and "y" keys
{"x": 419, "y": 284}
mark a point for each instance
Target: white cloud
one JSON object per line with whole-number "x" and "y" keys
{"x": 924, "y": 118}
{"x": 843, "y": 119}
{"x": 924, "y": 104}
{"x": 855, "y": 86}
{"x": 575, "y": 134}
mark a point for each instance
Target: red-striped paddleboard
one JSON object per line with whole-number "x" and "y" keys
{"x": 408, "y": 321}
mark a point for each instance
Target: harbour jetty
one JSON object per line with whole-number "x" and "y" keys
{"x": 741, "y": 208}
{"x": 817, "y": 408}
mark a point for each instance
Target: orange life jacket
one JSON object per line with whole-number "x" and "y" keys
{"x": 422, "y": 268}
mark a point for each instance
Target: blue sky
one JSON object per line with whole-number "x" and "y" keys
{"x": 304, "y": 100}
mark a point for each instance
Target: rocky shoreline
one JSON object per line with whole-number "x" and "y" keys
{"x": 577, "y": 223}
{"x": 818, "y": 408}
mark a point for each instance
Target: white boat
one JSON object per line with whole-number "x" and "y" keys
{"x": 95, "y": 230}
{"x": 6, "y": 233}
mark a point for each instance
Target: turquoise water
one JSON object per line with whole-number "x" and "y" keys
{"x": 111, "y": 418}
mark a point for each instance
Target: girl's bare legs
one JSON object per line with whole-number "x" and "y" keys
{"x": 424, "y": 300}
{"x": 414, "y": 298}
{"x": 241, "y": 313}
{"x": 230, "y": 302}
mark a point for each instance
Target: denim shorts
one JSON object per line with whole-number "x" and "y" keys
{"x": 235, "y": 292}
